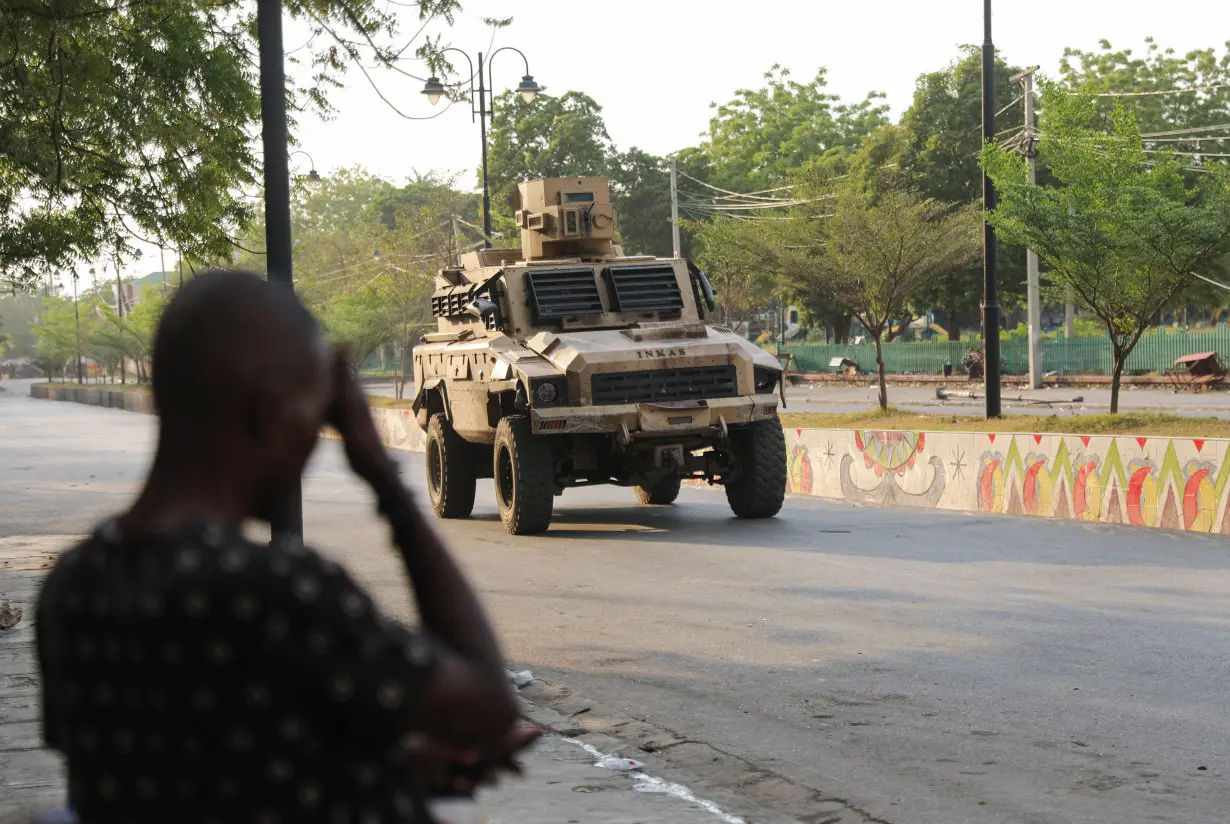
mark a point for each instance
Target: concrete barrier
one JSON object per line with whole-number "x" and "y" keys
{"x": 1167, "y": 483}
{"x": 129, "y": 400}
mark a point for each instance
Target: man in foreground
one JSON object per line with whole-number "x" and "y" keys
{"x": 190, "y": 675}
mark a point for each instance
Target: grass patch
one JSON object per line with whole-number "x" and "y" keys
{"x": 1127, "y": 423}
{"x": 383, "y": 402}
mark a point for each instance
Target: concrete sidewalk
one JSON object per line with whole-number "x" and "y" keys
{"x": 562, "y": 783}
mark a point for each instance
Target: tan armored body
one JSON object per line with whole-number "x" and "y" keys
{"x": 565, "y": 363}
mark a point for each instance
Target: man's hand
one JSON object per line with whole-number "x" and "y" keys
{"x": 448, "y": 770}
{"x": 351, "y": 416}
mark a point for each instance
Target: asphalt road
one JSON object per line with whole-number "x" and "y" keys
{"x": 927, "y": 668}
{"x": 1058, "y": 400}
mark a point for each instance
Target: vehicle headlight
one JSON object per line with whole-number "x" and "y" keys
{"x": 546, "y": 393}
{"x": 765, "y": 380}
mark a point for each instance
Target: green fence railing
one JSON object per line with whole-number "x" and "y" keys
{"x": 1155, "y": 353}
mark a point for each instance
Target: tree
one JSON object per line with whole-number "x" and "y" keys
{"x": 1123, "y": 230}
{"x": 426, "y": 246}
{"x": 1159, "y": 70}
{"x": 641, "y": 193}
{"x": 56, "y": 333}
{"x": 367, "y": 254}
{"x": 132, "y": 120}
{"x": 942, "y": 130}
{"x": 873, "y": 247}
{"x": 17, "y": 314}
{"x": 741, "y": 261}
{"x": 550, "y": 137}
{"x": 760, "y": 136}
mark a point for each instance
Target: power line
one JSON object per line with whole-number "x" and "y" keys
{"x": 1160, "y": 92}
{"x": 719, "y": 189}
{"x": 1189, "y": 139}
{"x": 1186, "y": 154}
{"x": 1195, "y": 130}
{"x": 1009, "y": 106}
{"x": 1216, "y": 283}
{"x": 731, "y": 207}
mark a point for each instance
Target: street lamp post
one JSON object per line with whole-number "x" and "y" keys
{"x": 990, "y": 295}
{"x": 433, "y": 89}
{"x": 313, "y": 175}
{"x": 275, "y": 140}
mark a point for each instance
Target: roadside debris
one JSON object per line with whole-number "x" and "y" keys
{"x": 520, "y": 679}
{"x": 9, "y": 615}
{"x": 964, "y": 394}
{"x": 614, "y": 762}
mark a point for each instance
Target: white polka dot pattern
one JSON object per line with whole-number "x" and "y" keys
{"x": 199, "y": 678}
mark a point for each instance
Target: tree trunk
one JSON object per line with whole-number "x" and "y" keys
{"x": 880, "y": 373}
{"x": 841, "y": 329}
{"x": 1116, "y": 376}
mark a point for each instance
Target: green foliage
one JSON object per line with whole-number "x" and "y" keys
{"x": 1111, "y": 70}
{"x": 17, "y": 313}
{"x": 641, "y": 193}
{"x": 566, "y": 136}
{"x": 759, "y": 137}
{"x": 56, "y": 333}
{"x": 134, "y": 120}
{"x": 740, "y": 259}
{"x": 550, "y": 137}
{"x": 1122, "y": 232}
{"x": 873, "y": 246}
{"x": 366, "y": 255}
{"x": 943, "y": 132}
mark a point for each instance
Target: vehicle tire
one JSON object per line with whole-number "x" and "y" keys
{"x": 758, "y": 487}
{"x": 524, "y": 477}
{"x": 662, "y": 493}
{"x": 450, "y": 470}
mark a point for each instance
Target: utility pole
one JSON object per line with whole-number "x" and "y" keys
{"x": 482, "y": 132}
{"x": 77, "y": 320}
{"x": 119, "y": 310}
{"x": 675, "y": 205}
{"x": 1069, "y": 321}
{"x": 162, "y": 267}
{"x": 990, "y": 295}
{"x": 455, "y": 242}
{"x": 1033, "y": 289}
{"x": 289, "y": 521}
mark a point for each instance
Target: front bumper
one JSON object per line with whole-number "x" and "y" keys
{"x": 655, "y": 419}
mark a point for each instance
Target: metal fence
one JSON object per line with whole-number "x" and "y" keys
{"x": 1155, "y": 353}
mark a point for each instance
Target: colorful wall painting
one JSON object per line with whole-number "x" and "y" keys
{"x": 1166, "y": 483}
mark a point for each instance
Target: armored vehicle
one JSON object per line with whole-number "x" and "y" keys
{"x": 565, "y": 363}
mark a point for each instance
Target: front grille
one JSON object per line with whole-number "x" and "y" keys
{"x": 664, "y": 385}
{"x": 645, "y": 288}
{"x": 558, "y": 293}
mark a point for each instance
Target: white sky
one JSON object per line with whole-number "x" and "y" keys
{"x": 655, "y": 65}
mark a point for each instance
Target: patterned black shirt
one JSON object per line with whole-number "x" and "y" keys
{"x": 198, "y": 677}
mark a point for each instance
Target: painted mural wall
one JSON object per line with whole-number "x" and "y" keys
{"x": 1171, "y": 483}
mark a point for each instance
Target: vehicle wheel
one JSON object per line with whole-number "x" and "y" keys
{"x": 758, "y": 487}
{"x": 664, "y": 492}
{"x": 524, "y": 477}
{"x": 450, "y": 470}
